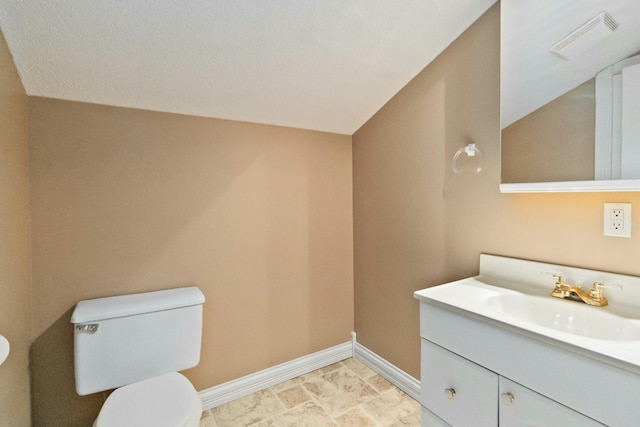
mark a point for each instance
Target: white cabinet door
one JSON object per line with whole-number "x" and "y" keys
{"x": 522, "y": 407}
{"x": 460, "y": 392}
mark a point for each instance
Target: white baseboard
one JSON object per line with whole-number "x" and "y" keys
{"x": 257, "y": 381}
{"x": 390, "y": 372}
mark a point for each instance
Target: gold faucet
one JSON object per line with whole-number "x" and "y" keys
{"x": 595, "y": 296}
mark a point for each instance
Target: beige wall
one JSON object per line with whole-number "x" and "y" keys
{"x": 15, "y": 280}
{"x": 554, "y": 143}
{"x": 417, "y": 225}
{"x": 259, "y": 217}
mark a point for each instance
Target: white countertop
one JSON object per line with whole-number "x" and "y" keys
{"x": 472, "y": 295}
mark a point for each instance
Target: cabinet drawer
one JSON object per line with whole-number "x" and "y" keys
{"x": 459, "y": 391}
{"x": 520, "y": 406}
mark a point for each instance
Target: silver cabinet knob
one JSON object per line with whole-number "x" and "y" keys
{"x": 450, "y": 393}
{"x": 507, "y": 399}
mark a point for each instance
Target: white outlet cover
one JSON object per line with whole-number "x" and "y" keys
{"x": 617, "y": 219}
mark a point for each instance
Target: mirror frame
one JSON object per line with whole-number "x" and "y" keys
{"x": 618, "y": 185}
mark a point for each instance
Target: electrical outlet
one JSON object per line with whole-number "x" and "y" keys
{"x": 617, "y": 219}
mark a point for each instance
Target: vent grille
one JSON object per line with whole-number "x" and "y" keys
{"x": 586, "y": 36}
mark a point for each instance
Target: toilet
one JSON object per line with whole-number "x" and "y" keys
{"x": 136, "y": 344}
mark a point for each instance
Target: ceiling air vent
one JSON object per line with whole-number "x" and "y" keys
{"x": 585, "y": 36}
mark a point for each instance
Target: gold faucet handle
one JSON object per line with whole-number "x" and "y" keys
{"x": 559, "y": 280}
{"x": 597, "y": 290}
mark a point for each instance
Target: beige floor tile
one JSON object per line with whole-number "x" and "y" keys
{"x": 362, "y": 370}
{"x": 294, "y": 396}
{"x": 355, "y": 418}
{"x": 207, "y": 420}
{"x": 379, "y": 383}
{"x": 247, "y": 410}
{"x": 391, "y": 407}
{"x": 309, "y": 414}
{"x": 412, "y": 420}
{"x": 295, "y": 381}
{"x": 339, "y": 390}
{"x": 332, "y": 367}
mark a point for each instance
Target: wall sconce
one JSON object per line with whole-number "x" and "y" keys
{"x": 468, "y": 159}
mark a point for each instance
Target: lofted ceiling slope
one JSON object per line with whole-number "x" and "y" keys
{"x": 325, "y": 65}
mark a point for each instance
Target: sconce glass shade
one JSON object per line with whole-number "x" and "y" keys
{"x": 468, "y": 159}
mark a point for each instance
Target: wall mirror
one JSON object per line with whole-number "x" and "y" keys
{"x": 570, "y": 95}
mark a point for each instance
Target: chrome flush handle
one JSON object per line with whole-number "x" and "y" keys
{"x": 90, "y": 328}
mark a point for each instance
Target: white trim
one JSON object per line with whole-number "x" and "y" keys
{"x": 257, "y": 381}
{"x": 390, "y": 372}
{"x": 572, "y": 186}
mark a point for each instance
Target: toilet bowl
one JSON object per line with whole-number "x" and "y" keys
{"x": 168, "y": 400}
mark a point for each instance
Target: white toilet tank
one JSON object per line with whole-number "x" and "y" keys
{"x": 124, "y": 339}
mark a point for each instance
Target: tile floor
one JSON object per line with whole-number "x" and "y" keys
{"x": 344, "y": 394}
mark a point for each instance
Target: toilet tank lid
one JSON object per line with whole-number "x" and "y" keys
{"x": 127, "y": 305}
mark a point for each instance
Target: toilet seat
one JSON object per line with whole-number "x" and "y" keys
{"x": 167, "y": 400}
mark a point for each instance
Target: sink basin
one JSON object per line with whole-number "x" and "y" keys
{"x": 4, "y": 349}
{"x": 566, "y": 316}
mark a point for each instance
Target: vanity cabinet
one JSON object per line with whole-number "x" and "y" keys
{"x": 457, "y": 392}
{"x": 461, "y": 390}
{"x": 515, "y": 356}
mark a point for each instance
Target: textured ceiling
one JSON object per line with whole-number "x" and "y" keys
{"x": 316, "y": 64}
